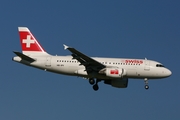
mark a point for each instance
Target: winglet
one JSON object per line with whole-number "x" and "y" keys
{"x": 65, "y": 46}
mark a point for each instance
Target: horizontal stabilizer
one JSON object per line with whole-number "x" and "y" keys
{"x": 24, "y": 57}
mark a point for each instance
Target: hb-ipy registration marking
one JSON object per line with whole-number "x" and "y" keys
{"x": 28, "y": 41}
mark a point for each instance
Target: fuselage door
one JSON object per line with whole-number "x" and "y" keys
{"x": 48, "y": 62}
{"x": 147, "y": 65}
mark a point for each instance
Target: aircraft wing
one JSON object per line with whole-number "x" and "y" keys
{"x": 88, "y": 62}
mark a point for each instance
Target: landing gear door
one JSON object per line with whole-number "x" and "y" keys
{"x": 147, "y": 65}
{"x": 48, "y": 62}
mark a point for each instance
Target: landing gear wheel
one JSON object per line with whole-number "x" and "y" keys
{"x": 95, "y": 87}
{"x": 146, "y": 87}
{"x": 91, "y": 81}
{"x": 146, "y": 84}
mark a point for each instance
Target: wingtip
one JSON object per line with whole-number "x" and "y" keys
{"x": 65, "y": 46}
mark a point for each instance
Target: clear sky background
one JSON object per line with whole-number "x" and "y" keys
{"x": 104, "y": 28}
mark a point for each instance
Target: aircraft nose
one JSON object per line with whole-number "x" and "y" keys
{"x": 168, "y": 73}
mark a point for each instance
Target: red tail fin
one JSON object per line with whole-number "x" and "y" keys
{"x": 29, "y": 43}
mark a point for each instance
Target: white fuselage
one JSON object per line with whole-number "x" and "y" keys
{"x": 135, "y": 68}
{"x": 113, "y": 71}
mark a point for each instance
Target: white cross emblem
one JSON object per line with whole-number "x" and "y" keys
{"x": 28, "y": 41}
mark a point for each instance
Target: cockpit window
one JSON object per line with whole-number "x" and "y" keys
{"x": 159, "y": 65}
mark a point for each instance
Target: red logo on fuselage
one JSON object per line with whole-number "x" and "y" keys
{"x": 134, "y": 61}
{"x": 114, "y": 72}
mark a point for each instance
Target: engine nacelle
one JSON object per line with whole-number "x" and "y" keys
{"x": 115, "y": 72}
{"x": 119, "y": 83}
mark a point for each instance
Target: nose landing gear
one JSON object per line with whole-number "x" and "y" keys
{"x": 146, "y": 84}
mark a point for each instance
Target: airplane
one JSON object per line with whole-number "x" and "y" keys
{"x": 112, "y": 71}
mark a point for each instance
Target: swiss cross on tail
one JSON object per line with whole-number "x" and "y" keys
{"x": 28, "y": 41}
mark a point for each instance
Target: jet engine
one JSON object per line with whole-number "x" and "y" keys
{"x": 114, "y": 72}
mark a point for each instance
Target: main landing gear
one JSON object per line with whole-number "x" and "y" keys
{"x": 95, "y": 84}
{"x": 146, "y": 84}
{"x": 91, "y": 81}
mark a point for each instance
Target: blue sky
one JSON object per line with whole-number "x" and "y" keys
{"x": 105, "y": 28}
